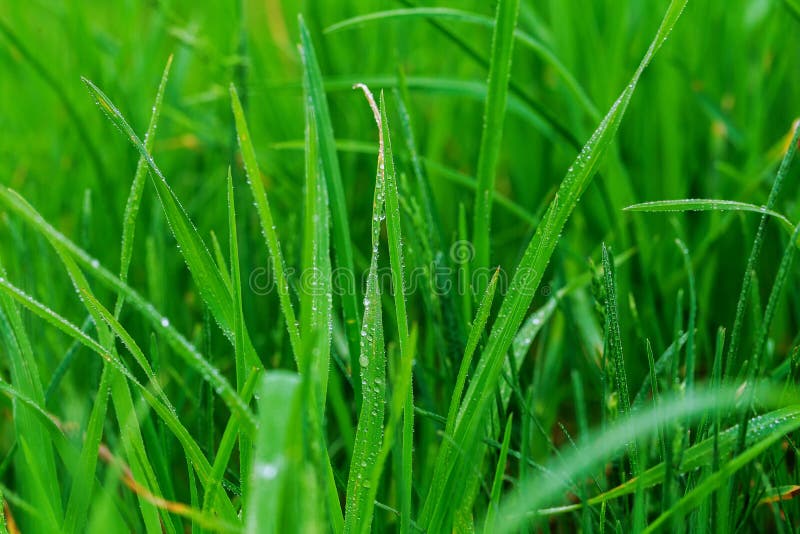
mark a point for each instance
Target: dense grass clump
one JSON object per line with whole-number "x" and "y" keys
{"x": 382, "y": 266}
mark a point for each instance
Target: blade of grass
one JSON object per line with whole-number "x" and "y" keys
{"x": 741, "y": 304}
{"x": 497, "y": 485}
{"x": 494, "y": 114}
{"x": 397, "y": 262}
{"x": 541, "y": 490}
{"x": 268, "y": 227}
{"x": 614, "y": 344}
{"x": 372, "y": 360}
{"x": 137, "y": 189}
{"x": 697, "y": 496}
{"x": 274, "y": 464}
{"x": 702, "y": 204}
{"x": 83, "y": 483}
{"x": 522, "y": 289}
{"x": 340, "y": 224}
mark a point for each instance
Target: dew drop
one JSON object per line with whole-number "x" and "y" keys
{"x": 363, "y": 361}
{"x": 266, "y": 471}
{"x": 164, "y": 322}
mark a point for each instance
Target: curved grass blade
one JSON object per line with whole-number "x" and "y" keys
{"x": 697, "y": 496}
{"x": 467, "y": 17}
{"x": 180, "y": 344}
{"x": 265, "y": 217}
{"x": 534, "y": 494}
{"x": 494, "y": 114}
{"x": 521, "y": 291}
{"x": 372, "y": 360}
{"x": 696, "y": 457}
{"x": 704, "y": 204}
{"x": 210, "y": 282}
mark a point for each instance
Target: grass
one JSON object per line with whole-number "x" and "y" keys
{"x": 540, "y": 278}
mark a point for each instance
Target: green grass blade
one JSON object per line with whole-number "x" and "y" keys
{"x": 25, "y": 377}
{"x": 499, "y": 474}
{"x": 702, "y": 204}
{"x": 340, "y": 222}
{"x": 239, "y": 332}
{"x": 268, "y": 227}
{"x": 694, "y": 498}
{"x": 475, "y": 333}
{"x": 741, "y": 304}
{"x": 83, "y": 482}
{"x": 524, "y": 283}
{"x": 540, "y": 491}
{"x": 494, "y": 114}
{"x": 614, "y": 345}
{"x": 274, "y": 465}
{"x": 210, "y": 282}
{"x": 137, "y": 188}
{"x": 372, "y": 361}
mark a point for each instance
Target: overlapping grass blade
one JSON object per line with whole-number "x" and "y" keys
{"x": 494, "y": 115}
{"x": 137, "y": 188}
{"x": 523, "y": 286}
{"x": 178, "y": 342}
{"x": 540, "y": 491}
{"x": 777, "y": 429}
{"x": 340, "y": 223}
{"x": 467, "y": 17}
{"x": 25, "y": 377}
{"x": 210, "y": 282}
{"x": 372, "y": 361}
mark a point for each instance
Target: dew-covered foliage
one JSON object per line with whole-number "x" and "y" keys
{"x": 385, "y": 266}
